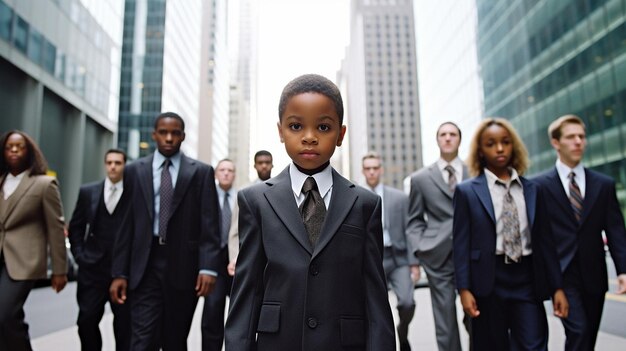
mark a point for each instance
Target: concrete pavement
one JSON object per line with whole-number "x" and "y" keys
{"x": 422, "y": 332}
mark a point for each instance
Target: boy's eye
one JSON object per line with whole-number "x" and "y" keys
{"x": 323, "y": 127}
{"x": 295, "y": 126}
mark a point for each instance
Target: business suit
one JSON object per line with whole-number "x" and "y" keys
{"x": 523, "y": 285}
{"x": 430, "y": 233}
{"x": 397, "y": 257}
{"x": 581, "y": 250}
{"x": 289, "y": 296}
{"x": 161, "y": 278}
{"x": 92, "y": 234}
{"x": 31, "y": 222}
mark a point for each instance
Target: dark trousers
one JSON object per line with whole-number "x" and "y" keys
{"x": 214, "y": 305}
{"x": 511, "y": 318}
{"x": 399, "y": 280}
{"x": 161, "y": 314}
{"x": 13, "y": 294}
{"x": 92, "y": 294}
{"x": 585, "y": 312}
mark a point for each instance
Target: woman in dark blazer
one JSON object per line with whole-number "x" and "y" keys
{"x": 504, "y": 256}
{"x": 31, "y": 225}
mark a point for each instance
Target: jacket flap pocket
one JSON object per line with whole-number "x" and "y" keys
{"x": 352, "y": 332}
{"x": 269, "y": 318}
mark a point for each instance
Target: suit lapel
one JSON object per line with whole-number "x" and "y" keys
{"x": 341, "y": 202}
{"x": 96, "y": 193}
{"x": 479, "y": 184}
{"x": 187, "y": 169}
{"x": 25, "y": 184}
{"x": 530, "y": 197}
{"x": 437, "y": 178}
{"x": 556, "y": 189}
{"x": 280, "y": 197}
{"x": 591, "y": 194}
{"x": 146, "y": 183}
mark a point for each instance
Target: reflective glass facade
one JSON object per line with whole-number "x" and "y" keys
{"x": 544, "y": 59}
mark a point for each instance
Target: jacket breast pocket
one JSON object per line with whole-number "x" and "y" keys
{"x": 351, "y": 230}
{"x": 269, "y": 318}
{"x": 352, "y": 331}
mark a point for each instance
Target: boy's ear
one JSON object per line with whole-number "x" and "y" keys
{"x": 280, "y": 132}
{"x": 341, "y": 135}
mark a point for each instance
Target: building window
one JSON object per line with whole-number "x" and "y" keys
{"x": 6, "y": 16}
{"x": 20, "y": 34}
{"x": 35, "y": 43}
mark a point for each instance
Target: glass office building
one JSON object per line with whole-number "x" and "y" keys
{"x": 543, "y": 59}
{"x": 60, "y": 68}
{"x": 160, "y": 71}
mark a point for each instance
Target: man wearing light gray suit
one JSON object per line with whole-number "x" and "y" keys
{"x": 401, "y": 268}
{"x": 430, "y": 230}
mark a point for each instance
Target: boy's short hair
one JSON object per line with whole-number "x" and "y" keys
{"x": 169, "y": 115}
{"x": 311, "y": 83}
{"x": 554, "y": 130}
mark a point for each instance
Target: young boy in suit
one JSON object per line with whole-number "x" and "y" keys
{"x": 309, "y": 274}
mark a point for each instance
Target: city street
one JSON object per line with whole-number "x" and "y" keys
{"x": 52, "y": 322}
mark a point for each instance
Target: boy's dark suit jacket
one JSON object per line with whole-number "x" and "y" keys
{"x": 193, "y": 238}
{"x": 474, "y": 239}
{"x": 288, "y": 296}
{"x": 601, "y": 211}
{"x": 89, "y": 247}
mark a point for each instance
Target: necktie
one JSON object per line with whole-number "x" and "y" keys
{"x": 451, "y": 177}
{"x": 312, "y": 210}
{"x": 167, "y": 194}
{"x": 111, "y": 201}
{"x": 226, "y": 216}
{"x": 575, "y": 196}
{"x": 511, "y": 236}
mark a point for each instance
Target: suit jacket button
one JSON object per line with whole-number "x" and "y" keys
{"x": 312, "y": 323}
{"x": 313, "y": 270}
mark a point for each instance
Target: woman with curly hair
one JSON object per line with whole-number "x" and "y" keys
{"x": 31, "y": 225}
{"x": 504, "y": 255}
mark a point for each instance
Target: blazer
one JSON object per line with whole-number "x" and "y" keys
{"x": 396, "y": 210}
{"x": 430, "y": 215}
{"x": 87, "y": 246}
{"x": 193, "y": 236}
{"x": 287, "y": 295}
{"x": 474, "y": 239}
{"x": 31, "y": 223}
{"x": 601, "y": 212}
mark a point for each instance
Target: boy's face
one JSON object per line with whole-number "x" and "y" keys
{"x": 310, "y": 129}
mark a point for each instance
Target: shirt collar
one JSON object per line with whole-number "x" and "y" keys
{"x": 324, "y": 180}
{"x": 158, "y": 160}
{"x": 17, "y": 177}
{"x": 456, "y": 163}
{"x": 108, "y": 183}
{"x": 492, "y": 179}
{"x": 564, "y": 169}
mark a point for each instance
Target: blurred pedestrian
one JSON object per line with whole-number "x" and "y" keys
{"x": 504, "y": 254}
{"x": 94, "y": 224}
{"x": 31, "y": 226}
{"x": 584, "y": 204}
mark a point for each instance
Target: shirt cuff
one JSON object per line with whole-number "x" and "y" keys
{"x": 208, "y": 272}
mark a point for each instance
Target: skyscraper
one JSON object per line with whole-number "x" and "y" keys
{"x": 380, "y": 75}
{"x": 60, "y": 63}
{"x": 544, "y": 59}
{"x": 161, "y": 57}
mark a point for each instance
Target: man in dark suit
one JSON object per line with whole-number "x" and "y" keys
{"x": 215, "y": 303}
{"x": 430, "y": 231}
{"x": 401, "y": 268}
{"x": 584, "y": 205}
{"x": 166, "y": 253}
{"x": 96, "y": 219}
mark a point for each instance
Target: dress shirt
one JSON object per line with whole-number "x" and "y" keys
{"x": 232, "y": 196}
{"x": 324, "y": 180}
{"x": 11, "y": 183}
{"x": 379, "y": 191}
{"x": 497, "y": 193}
{"x": 564, "y": 171}
{"x": 457, "y": 164}
{"x": 157, "y": 165}
{"x": 119, "y": 189}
